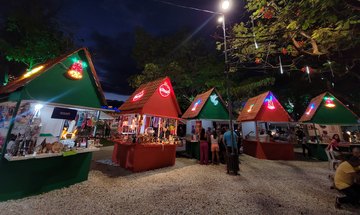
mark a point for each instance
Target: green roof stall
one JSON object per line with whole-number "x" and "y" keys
{"x": 206, "y": 110}
{"x": 324, "y": 117}
{"x": 47, "y": 118}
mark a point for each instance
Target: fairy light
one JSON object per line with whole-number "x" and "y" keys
{"x": 281, "y": 68}
{"x": 308, "y": 73}
{"x": 33, "y": 71}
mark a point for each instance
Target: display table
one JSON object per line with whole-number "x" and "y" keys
{"x": 143, "y": 157}
{"x": 317, "y": 150}
{"x": 269, "y": 150}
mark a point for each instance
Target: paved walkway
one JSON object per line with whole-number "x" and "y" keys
{"x": 264, "y": 187}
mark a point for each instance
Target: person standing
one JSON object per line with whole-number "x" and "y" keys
{"x": 230, "y": 145}
{"x": 301, "y": 140}
{"x": 215, "y": 147}
{"x": 204, "y": 148}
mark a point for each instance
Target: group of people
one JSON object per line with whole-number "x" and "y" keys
{"x": 221, "y": 144}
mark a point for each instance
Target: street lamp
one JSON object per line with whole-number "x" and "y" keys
{"x": 232, "y": 163}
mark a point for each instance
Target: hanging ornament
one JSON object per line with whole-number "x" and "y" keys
{"x": 76, "y": 70}
{"x": 284, "y": 51}
{"x": 281, "y": 68}
{"x": 257, "y": 60}
{"x": 270, "y": 104}
{"x": 329, "y": 102}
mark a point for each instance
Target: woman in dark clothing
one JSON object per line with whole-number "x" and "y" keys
{"x": 204, "y": 148}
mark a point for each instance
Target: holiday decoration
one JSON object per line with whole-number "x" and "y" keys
{"x": 281, "y": 68}
{"x": 310, "y": 108}
{"x": 138, "y": 96}
{"x": 214, "y": 99}
{"x": 269, "y": 103}
{"x": 250, "y": 108}
{"x": 33, "y": 71}
{"x": 164, "y": 89}
{"x": 76, "y": 70}
{"x": 196, "y": 105}
{"x": 329, "y": 102}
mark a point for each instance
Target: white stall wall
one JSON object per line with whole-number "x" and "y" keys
{"x": 248, "y": 127}
{"x": 205, "y": 124}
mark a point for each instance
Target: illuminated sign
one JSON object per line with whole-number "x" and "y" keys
{"x": 164, "y": 89}
{"x": 33, "y": 71}
{"x": 76, "y": 70}
{"x": 138, "y": 96}
{"x": 310, "y": 108}
{"x": 214, "y": 99}
{"x": 250, "y": 108}
{"x": 270, "y": 103}
{"x": 329, "y": 102}
{"x": 196, "y": 105}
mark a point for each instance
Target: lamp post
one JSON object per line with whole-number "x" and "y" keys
{"x": 232, "y": 164}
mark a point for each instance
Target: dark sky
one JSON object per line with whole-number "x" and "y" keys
{"x": 107, "y": 28}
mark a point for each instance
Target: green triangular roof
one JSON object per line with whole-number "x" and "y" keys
{"x": 51, "y": 84}
{"x": 320, "y": 114}
{"x": 208, "y": 109}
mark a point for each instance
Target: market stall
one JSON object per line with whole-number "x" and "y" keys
{"x": 205, "y": 111}
{"x": 260, "y": 118}
{"x": 324, "y": 117}
{"x": 148, "y": 128}
{"x": 47, "y": 118}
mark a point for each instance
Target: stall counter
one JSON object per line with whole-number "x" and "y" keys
{"x": 143, "y": 157}
{"x": 317, "y": 150}
{"x": 269, "y": 150}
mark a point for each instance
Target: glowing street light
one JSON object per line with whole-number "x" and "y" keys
{"x": 225, "y": 5}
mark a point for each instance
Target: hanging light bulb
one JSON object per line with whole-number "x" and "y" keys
{"x": 332, "y": 72}
{"x": 256, "y": 45}
{"x": 281, "y": 68}
{"x": 308, "y": 72}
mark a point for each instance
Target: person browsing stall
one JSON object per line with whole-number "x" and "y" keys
{"x": 215, "y": 147}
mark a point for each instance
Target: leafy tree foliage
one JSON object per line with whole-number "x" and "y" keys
{"x": 30, "y": 33}
{"x": 323, "y": 35}
{"x": 191, "y": 64}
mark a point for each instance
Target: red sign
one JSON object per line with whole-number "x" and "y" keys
{"x": 138, "y": 96}
{"x": 164, "y": 89}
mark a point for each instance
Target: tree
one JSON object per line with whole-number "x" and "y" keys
{"x": 31, "y": 34}
{"x": 323, "y": 35}
{"x": 192, "y": 65}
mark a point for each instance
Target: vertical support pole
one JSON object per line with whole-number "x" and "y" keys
{"x": 11, "y": 126}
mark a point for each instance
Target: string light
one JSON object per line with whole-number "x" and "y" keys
{"x": 308, "y": 72}
{"x": 281, "y": 68}
{"x": 33, "y": 71}
{"x": 311, "y": 107}
{"x": 196, "y": 105}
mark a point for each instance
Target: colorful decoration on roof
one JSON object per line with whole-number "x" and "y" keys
{"x": 214, "y": 99}
{"x": 33, "y": 71}
{"x": 76, "y": 70}
{"x": 138, "y": 96}
{"x": 269, "y": 103}
{"x": 196, "y": 105}
{"x": 329, "y": 102}
{"x": 250, "y": 108}
{"x": 310, "y": 108}
{"x": 164, "y": 89}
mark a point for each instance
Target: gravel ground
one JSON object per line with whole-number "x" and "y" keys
{"x": 263, "y": 187}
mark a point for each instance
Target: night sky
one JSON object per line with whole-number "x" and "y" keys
{"x": 107, "y": 27}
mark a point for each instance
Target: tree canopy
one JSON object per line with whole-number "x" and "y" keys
{"x": 297, "y": 37}
{"x": 192, "y": 64}
{"x": 30, "y": 33}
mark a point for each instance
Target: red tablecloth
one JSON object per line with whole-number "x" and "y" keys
{"x": 269, "y": 150}
{"x": 143, "y": 157}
